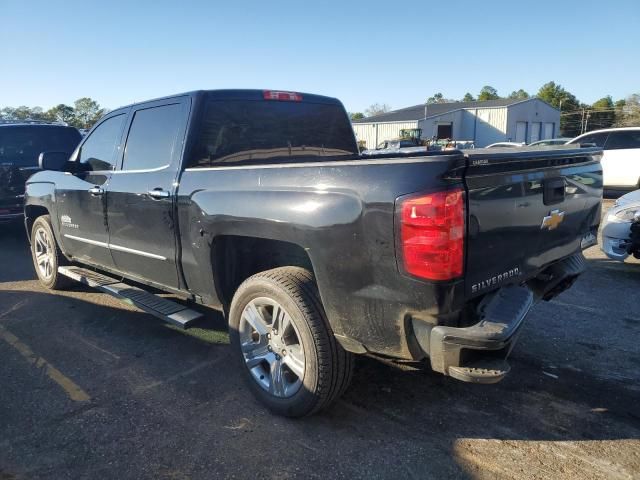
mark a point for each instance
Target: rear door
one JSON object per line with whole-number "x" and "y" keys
{"x": 622, "y": 151}
{"x": 81, "y": 199}
{"x": 141, "y": 193}
{"x": 528, "y": 209}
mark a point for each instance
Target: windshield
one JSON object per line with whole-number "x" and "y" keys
{"x": 21, "y": 145}
{"x": 249, "y": 131}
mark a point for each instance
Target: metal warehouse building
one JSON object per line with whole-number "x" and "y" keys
{"x": 503, "y": 120}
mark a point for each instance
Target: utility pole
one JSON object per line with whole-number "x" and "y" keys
{"x": 586, "y": 122}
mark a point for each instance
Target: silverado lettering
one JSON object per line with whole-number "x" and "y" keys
{"x": 484, "y": 284}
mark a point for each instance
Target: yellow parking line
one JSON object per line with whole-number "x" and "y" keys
{"x": 71, "y": 389}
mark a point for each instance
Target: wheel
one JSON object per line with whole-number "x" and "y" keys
{"x": 46, "y": 255}
{"x": 289, "y": 356}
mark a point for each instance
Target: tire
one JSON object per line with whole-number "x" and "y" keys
{"x": 47, "y": 256}
{"x": 276, "y": 319}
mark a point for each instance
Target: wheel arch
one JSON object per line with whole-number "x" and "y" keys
{"x": 31, "y": 212}
{"x": 235, "y": 258}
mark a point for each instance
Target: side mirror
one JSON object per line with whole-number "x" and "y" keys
{"x": 53, "y": 160}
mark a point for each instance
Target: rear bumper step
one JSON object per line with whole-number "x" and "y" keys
{"x": 478, "y": 353}
{"x": 162, "y": 308}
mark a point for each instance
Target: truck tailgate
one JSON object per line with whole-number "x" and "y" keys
{"x": 528, "y": 208}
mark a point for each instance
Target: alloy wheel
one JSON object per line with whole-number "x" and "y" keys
{"x": 271, "y": 347}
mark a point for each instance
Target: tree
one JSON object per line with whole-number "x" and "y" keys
{"x": 468, "y": 98}
{"x": 22, "y": 113}
{"x": 556, "y": 96}
{"x": 61, "y": 113}
{"x": 603, "y": 114}
{"x": 377, "y": 109}
{"x": 7, "y": 113}
{"x": 519, "y": 95}
{"x": 439, "y": 98}
{"x": 356, "y": 115}
{"x": 87, "y": 112}
{"x": 488, "y": 93}
{"x": 629, "y": 111}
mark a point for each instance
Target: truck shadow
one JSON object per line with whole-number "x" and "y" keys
{"x": 396, "y": 420}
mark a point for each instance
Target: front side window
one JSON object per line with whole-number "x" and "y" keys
{"x": 98, "y": 151}
{"x": 152, "y": 138}
{"x": 623, "y": 139}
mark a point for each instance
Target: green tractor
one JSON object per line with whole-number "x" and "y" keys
{"x": 414, "y": 134}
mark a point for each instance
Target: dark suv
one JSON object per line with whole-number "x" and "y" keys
{"x": 20, "y": 146}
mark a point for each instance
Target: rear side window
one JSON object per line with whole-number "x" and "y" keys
{"x": 596, "y": 138}
{"x": 152, "y": 137}
{"x": 253, "y": 132}
{"x": 21, "y": 145}
{"x": 623, "y": 139}
{"x": 98, "y": 150}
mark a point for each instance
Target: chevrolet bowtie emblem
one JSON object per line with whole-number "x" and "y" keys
{"x": 552, "y": 220}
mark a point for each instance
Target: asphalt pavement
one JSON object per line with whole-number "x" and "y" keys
{"x": 93, "y": 388}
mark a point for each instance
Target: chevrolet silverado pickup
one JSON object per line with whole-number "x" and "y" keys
{"x": 258, "y": 203}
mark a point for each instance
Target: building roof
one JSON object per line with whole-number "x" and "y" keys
{"x": 416, "y": 112}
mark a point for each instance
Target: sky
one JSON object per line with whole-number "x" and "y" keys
{"x": 362, "y": 52}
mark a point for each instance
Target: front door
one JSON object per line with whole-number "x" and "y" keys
{"x": 141, "y": 193}
{"x": 81, "y": 201}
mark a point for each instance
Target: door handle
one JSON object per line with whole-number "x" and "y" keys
{"x": 96, "y": 191}
{"x": 158, "y": 193}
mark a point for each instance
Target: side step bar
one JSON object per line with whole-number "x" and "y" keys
{"x": 162, "y": 308}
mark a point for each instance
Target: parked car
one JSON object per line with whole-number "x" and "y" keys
{"x": 20, "y": 145}
{"x": 621, "y": 159}
{"x": 505, "y": 145}
{"x": 550, "y": 142}
{"x": 617, "y": 241}
{"x": 257, "y": 203}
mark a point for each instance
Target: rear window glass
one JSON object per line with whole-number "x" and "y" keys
{"x": 252, "y": 132}
{"x": 22, "y": 145}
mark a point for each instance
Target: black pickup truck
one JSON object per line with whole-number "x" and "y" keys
{"x": 258, "y": 203}
{"x": 20, "y": 145}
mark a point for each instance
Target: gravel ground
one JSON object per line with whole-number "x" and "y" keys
{"x": 93, "y": 388}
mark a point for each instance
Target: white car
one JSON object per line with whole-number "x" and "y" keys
{"x": 506, "y": 145}
{"x": 617, "y": 239}
{"x": 621, "y": 159}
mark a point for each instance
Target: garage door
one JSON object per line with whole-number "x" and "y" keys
{"x": 547, "y": 130}
{"x": 535, "y": 132}
{"x": 521, "y": 132}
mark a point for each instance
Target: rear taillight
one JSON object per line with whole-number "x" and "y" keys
{"x": 285, "y": 96}
{"x": 432, "y": 235}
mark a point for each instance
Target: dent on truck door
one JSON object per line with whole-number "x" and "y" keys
{"x": 81, "y": 195}
{"x": 141, "y": 193}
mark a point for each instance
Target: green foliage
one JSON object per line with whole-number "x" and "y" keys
{"x": 61, "y": 113}
{"x": 83, "y": 114}
{"x": 602, "y": 114}
{"x": 468, "y": 98}
{"x": 519, "y": 95}
{"x": 558, "y": 97}
{"x": 86, "y": 112}
{"x": 439, "y": 98}
{"x": 356, "y": 115}
{"x": 488, "y": 93}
